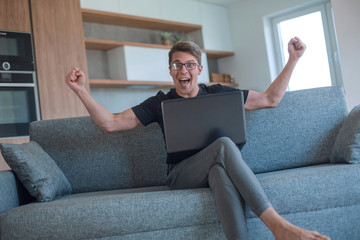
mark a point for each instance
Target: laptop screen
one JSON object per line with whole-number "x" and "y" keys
{"x": 194, "y": 123}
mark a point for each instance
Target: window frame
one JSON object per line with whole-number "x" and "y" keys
{"x": 324, "y": 6}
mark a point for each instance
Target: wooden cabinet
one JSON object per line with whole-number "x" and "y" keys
{"x": 109, "y": 18}
{"x": 59, "y": 46}
{"x": 15, "y": 15}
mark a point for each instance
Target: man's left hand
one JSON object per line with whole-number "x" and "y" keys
{"x": 296, "y": 48}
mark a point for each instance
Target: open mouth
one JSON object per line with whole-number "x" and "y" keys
{"x": 184, "y": 81}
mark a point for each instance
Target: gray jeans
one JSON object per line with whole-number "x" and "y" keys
{"x": 220, "y": 166}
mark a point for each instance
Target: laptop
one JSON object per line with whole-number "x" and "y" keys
{"x": 194, "y": 123}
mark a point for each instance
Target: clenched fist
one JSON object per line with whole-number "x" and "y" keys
{"x": 76, "y": 80}
{"x": 296, "y": 48}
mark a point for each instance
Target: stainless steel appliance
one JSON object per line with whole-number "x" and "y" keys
{"x": 16, "y": 52}
{"x": 18, "y": 88}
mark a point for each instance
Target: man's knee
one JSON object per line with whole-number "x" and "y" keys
{"x": 226, "y": 151}
{"x": 225, "y": 143}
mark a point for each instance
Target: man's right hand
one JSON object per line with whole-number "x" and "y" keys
{"x": 76, "y": 80}
{"x": 106, "y": 120}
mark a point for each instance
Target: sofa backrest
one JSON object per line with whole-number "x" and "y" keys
{"x": 299, "y": 132}
{"x": 93, "y": 160}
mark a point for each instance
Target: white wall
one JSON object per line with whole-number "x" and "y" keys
{"x": 347, "y": 20}
{"x": 118, "y": 99}
{"x": 250, "y": 65}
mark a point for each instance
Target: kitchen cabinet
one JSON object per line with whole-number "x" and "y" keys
{"x": 59, "y": 46}
{"x": 15, "y": 15}
{"x": 57, "y": 32}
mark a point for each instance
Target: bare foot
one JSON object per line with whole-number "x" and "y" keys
{"x": 283, "y": 230}
{"x": 291, "y": 232}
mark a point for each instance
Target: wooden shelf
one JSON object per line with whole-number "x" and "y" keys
{"x": 217, "y": 54}
{"x": 125, "y": 20}
{"x": 104, "y": 45}
{"x": 108, "y": 83}
{"x": 110, "y": 18}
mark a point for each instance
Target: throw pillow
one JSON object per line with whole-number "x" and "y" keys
{"x": 36, "y": 170}
{"x": 347, "y": 144}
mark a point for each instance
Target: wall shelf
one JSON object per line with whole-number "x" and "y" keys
{"x": 102, "y": 17}
{"x": 217, "y": 54}
{"x": 125, "y": 20}
{"x": 104, "y": 45}
{"x": 108, "y": 83}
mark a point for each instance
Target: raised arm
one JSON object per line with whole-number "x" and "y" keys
{"x": 275, "y": 92}
{"x": 106, "y": 120}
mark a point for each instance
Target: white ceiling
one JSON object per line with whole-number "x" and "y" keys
{"x": 219, "y": 2}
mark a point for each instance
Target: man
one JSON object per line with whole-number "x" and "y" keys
{"x": 219, "y": 165}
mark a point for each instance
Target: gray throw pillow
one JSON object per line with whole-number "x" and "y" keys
{"x": 36, "y": 170}
{"x": 347, "y": 144}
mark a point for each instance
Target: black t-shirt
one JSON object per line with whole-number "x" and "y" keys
{"x": 150, "y": 111}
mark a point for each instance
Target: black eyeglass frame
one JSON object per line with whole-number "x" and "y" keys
{"x": 184, "y": 64}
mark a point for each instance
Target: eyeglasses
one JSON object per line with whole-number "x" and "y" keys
{"x": 189, "y": 66}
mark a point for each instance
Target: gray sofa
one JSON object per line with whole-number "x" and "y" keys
{"x": 119, "y": 192}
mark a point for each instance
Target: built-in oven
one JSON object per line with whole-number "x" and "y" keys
{"x": 16, "y": 51}
{"x": 18, "y": 87}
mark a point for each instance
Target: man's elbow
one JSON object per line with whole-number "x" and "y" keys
{"x": 273, "y": 102}
{"x": 106, "y": 128}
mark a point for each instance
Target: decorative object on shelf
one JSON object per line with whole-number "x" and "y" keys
{"x": 165, "y": 38}
{"x": 178, "y": 37}
{"x": 221, "y": 78}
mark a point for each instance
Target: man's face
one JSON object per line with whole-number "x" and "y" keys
{"x": 185, "y": 80}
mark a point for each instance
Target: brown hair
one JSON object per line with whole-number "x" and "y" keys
{"x": 186, "y": 46}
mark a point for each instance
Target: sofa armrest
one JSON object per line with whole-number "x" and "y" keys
{"x": 12, "y": 192}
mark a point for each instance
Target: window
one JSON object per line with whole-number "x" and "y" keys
{"x": 320, "y": 65}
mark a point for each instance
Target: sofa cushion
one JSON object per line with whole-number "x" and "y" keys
{"x": 36, "y": 170}
{"x": 130, "y": 211}
{"x": 13, "y": 193}
{"x": 96, "y": 161}
{"x": 110, "y": 213}
{"x": 300, "y": 132}
{"x": 347, "y": 145}
{"x": 311, "y": 188}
